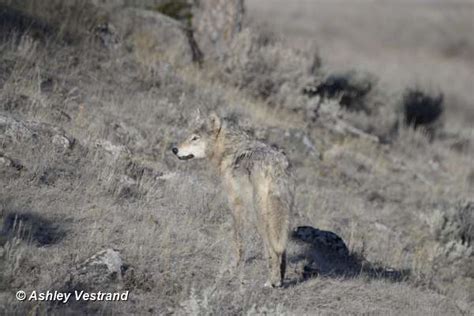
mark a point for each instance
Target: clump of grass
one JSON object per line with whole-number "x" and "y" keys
{"x": 122, "y": 188}
{"x": 266, "y": 70}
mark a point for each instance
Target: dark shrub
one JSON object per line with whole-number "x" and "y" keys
{"x": 350, "y": 87}
{"x": 421, "y": 109}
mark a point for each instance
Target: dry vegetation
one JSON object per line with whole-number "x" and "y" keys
{"x": 87, "y": 118}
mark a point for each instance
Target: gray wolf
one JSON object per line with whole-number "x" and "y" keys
{"x": 256, "y": 178}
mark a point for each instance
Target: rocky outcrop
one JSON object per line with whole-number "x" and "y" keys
{"x": 313, "y": 251}
{"x": 8, "y": 162}
{"x": 103, "y": 270}
{"x": 152, "y": 36}
{"x": 13, "y": 129}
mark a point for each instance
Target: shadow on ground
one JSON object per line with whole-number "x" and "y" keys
{"x": 30, "y": 227}
{"x": 315, "y": 252}
{"x": 16, "y": 22}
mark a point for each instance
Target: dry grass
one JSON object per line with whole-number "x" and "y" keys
{"x": 118, "y": 186}
{"x": 405, "y": 44}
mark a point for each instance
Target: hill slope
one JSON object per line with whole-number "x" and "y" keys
{"x": 85, "y": 132}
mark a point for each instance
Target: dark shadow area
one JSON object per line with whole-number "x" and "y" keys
{"x": 317, "y": 252}
{"x": 32, "y": 228}
{"x": 14, "y": 22}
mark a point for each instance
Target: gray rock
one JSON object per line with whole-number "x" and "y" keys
{"x": 152, "y": 37}
{"x": 103, "y": 270}
{"x": 116, "y": 151}
{"x": 108, "y": 261}
{"x": 313, "y": 251}
{"x": 14, "y": 129}
{"x": 6, "y": 162}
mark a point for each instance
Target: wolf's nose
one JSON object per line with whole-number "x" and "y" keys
{"x": 174, "y": 150}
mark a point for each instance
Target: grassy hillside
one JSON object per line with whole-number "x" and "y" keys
{"x": 90, "y": 106}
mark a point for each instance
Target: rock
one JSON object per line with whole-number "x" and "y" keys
{"x": 14, "y": 129}
{"x": 215, "y": 24}
{"x": 9, "y": 165}
{"x": 312, "y": 252}
{"x": 153, "y": 37}
{"x": 108, "y": 261}
{"x": 115, "y": 150}
{"x": 103, "y": 270}
{"x": 6, "y": 162}
{"x": 61, "y": 141}
{"x": 330, "y": 241}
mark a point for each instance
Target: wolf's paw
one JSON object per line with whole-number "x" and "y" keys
{"x": 270, "y": 284}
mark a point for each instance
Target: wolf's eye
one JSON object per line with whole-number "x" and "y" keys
{"x": 195, "y": 137}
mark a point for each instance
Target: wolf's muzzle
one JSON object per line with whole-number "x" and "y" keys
{"x": 175, "y": 151}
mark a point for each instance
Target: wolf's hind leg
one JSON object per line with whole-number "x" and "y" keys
{"x": 275, "y": 223}
{"x": 276, "y": 274}
{"x": 274, "y": 257}
{"x": 283, "y": 266}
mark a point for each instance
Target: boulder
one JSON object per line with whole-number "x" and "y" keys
{"x": 15, "y": 129}
{"x": 7, "y": 162}
{"x": 152, "y": 36}
{"x": 103, "y": 270}
{"x": 313, "y": 251}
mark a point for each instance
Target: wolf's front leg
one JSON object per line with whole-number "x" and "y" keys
{"x": 237, "y": 240}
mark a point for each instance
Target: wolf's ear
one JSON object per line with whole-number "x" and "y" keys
{"x": 214, "y": 122}
{"x": 197, "y": 115}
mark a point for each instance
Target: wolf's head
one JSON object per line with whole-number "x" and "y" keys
{"x": 199, "y": 143}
